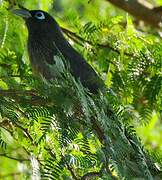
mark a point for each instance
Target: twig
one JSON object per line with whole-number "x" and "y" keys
{"x": 69, "y": 168}
{"x": 71, "y": 171}
{"x": 99, "y": 131}
{"x": 6, "y": 125}
{"x": 16, "y": 4}
{"x": 63, "y": 158}
{"x": 26, "y": 132}
{"x": 22, "y": 112}
{"x": 13, "y": 158}
{"x": 67, "y": 32}
{"x": 76, "y": 41}
{"x": 50, "y": 151}
{"x": 36, "y": 100}
{"x": 110, "y": 173}
{"x": 91, "y": 175}
{"x": 17, "y": 92}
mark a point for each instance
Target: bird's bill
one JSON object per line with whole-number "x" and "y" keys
{"x": 22, "y": 12}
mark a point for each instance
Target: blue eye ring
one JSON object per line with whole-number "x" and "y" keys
{"x": 39, "y": 15}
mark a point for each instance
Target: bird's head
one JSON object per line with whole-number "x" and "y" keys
{"x": 37, "y": 20}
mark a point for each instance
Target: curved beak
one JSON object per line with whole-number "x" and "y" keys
{"x": 22, "y": 12}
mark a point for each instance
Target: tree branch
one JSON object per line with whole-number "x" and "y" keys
{"x": 140, "y": 11}
{"x": 21, "y": 111}
{"x": 91, "y": 175}
{"x": 13, "y": 158}
{"x": 25, "y": 131}
{"x": 71, "y": 171}
{"x": 108, "y": 46}
{"x": 13, "y": 92}
{"x": 13, "y": 3}
{"x": 110, "y": 173}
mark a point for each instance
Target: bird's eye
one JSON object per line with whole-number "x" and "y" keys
{"x": 39, "y": 15}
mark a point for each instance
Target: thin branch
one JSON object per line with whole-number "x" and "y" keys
{"x": 99, "y": 131}
{"x": 22, "y": 112}
{"x": 13, "y": 3}
{"x": 17, "y": 92}
{"x": 13, "y": 158}
{"x": 71, "y": 171}
{"x": 36, "y": 100}
{"x": 63, "y": 158}
{"x": 108, "y": 46}
{"x": 95, "y": 126}
{"x": 73, "y": 39}
{"x": 50, "y": 151}
{"x": 110, "y": 173}
{"x": 6, "y": 125}
{"x": 69, "y": 168}
{"x": 91, "y": 175}
{"x": 26, "y": 132}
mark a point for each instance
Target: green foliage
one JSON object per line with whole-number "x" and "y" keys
{"x": 3, "y": 143}
{"x": 60, "y": 127}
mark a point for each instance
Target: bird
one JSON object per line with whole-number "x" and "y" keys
{"x": 46, "y": 42}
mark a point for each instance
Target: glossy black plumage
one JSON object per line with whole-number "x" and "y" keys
{"x": 45, "y": 40}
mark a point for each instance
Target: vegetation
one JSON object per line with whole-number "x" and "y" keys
{"x": 56, "y": 129}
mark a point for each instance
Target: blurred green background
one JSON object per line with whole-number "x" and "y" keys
{"x": 74, "y": 15}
